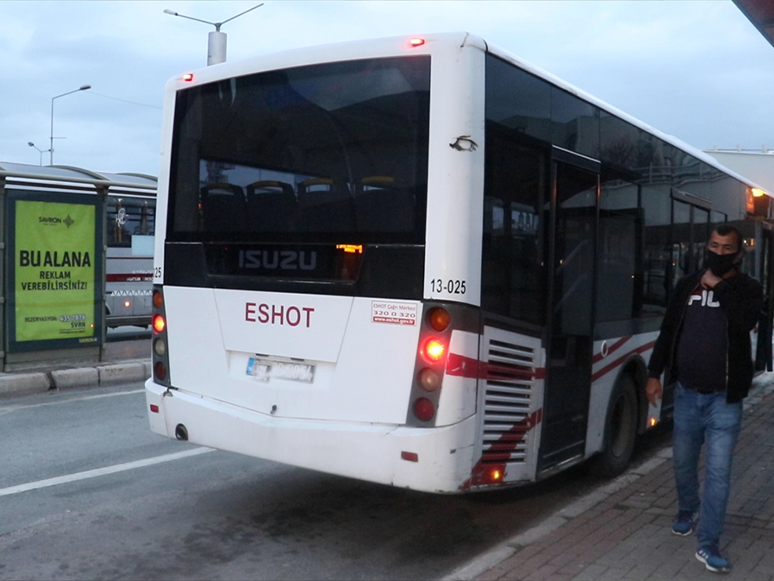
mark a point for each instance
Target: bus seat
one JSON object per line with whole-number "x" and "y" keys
{"x": 224, "y": 208}
{"x": 380, "y": 204}
{"x": 325, "y": 205}
{"x": 271, "y": 206}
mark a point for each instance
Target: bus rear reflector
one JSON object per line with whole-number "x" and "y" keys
{"x": 409, "y": 456}
{"x": 424, "y": 409}
{"x": 154, "y": 408}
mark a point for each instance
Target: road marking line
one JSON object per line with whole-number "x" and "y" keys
{"x": 101, "y": 471}
{"x": 13, "y": 408}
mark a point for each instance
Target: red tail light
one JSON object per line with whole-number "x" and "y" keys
{"x": 159, "y": 324}
{"x": 424, "y": 409}
{"x": 433, "y": 350}
{"x": 160, "y": 371}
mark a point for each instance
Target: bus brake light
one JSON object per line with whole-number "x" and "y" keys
{"x": 415, "y": 42}
{"x": 433, "y": 350}
{"x": 188, "y": 77}
{"x": 159, "y": 324}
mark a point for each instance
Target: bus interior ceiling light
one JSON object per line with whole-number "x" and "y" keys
{"x": 758, "y": 193}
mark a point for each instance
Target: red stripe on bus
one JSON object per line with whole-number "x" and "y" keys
{"x": 482, "y": 472}
{"x": 461, "y": 366}
{"x": 614, "y": 347}
{"x": 608, "y": 368}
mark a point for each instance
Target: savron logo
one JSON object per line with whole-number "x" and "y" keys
{"x": 56, "y": 220}
{"x": 278, "y": 259}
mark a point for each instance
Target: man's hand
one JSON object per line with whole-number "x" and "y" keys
{"x": 709, "y": 279}
{"x": 653, "y": 390}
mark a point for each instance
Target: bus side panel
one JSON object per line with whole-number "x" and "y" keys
{"x": 458, "y": 394}
{"x": 609, "y": 356}
{"x": 456, "y": 176}
{"x": 510, "y": 408}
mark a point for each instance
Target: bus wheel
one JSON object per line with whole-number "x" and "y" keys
{"x": 620, "y": 428}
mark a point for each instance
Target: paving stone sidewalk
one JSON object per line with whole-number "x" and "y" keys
{"x": 627, "y": 536}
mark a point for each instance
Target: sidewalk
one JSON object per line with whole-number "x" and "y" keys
{"x": 623, "y": 530}
{"x": 123, "y": 362}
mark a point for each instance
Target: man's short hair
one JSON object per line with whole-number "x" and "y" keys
{"x": 726, "y": 229}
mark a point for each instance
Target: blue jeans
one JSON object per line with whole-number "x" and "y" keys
{"x": 699, "y": 418}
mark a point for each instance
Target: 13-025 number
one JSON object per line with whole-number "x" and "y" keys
{"x": 452, "y": 287}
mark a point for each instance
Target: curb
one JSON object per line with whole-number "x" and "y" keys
{"x": 19, "y": 384}
{"x": 762, "y": 385}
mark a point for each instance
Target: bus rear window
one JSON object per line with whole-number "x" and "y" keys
{"x": 317, "y": 154}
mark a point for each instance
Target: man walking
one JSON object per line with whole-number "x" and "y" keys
{"x": 704, "y": 346}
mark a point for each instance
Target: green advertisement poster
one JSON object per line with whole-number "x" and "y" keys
{"x": 55, "y": 271}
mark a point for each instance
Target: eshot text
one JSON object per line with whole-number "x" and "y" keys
{"x": 278, "y": 315}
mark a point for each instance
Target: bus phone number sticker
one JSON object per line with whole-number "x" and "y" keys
{"x": 393, "y": 313}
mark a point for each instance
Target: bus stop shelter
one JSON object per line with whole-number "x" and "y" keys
{"x": 53, "y": 221}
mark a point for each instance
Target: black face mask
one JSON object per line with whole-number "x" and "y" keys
{"x": 720, "y": 264}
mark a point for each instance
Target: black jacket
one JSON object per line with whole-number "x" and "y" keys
{"x": 741, "y": 299}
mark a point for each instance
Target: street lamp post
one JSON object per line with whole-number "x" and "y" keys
{"x": 216, "y": 40}
{"x": 51, "y": 137}
{"x": 41, "y": 151}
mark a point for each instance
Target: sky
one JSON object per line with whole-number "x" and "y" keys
{"x": 694, "y": 69}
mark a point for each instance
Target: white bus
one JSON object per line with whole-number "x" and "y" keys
{"x": 420, "y": 262}
{"x": 129, "y": 264}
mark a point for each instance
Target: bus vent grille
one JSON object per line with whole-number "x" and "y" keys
{"x": 509, "y": 387}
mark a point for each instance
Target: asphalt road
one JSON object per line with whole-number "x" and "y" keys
{"x": 88, "y": 492}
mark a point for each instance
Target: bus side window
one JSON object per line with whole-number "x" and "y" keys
{"x": 224, "y": 208}
{"x": 271, "y": 206}
{"x": 380, "y": 206}
{"x": 325, "y": 205}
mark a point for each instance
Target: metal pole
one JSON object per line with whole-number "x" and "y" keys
{"x": 216, "y": 48}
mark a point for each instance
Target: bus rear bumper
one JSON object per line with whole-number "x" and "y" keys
{"x": 427, "y": 459}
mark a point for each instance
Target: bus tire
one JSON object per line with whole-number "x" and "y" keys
{"x": 620, "y": 428}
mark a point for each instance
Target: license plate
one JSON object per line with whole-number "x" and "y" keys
{"x": 267, "y": 369}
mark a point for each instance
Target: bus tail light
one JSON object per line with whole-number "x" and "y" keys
{"x": 160, "y": 343}
{"x": 437, "y": 324}
{"x": 439, "y": 319}
{"x": 433, "y": 350}
{"x": 159, "y": 324}
{"x": 429, "y": 379}
{"x": 424, "y": 409}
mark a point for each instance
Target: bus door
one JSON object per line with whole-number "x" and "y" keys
{"x": 763, "y": 355}
{"x": 572, "y": 233}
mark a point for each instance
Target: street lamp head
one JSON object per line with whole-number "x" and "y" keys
{"x": 168, "y": 11}
{"x": 84, "y": 87}
{"x": 30, "y": 144}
